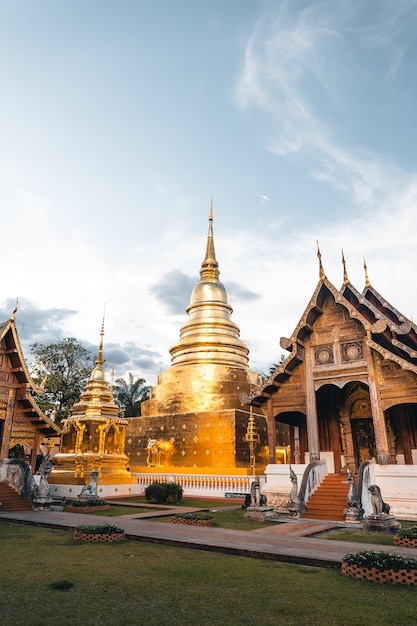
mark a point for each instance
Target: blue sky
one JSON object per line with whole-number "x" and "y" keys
{"x": 120, "y": 120}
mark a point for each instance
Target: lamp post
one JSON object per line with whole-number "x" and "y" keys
{"x": 252, "y": 438}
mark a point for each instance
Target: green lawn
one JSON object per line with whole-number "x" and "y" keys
{"x": 362, "y": 536}
{"x": 187, "y": 502}
{"x": 47, "y": 579}
{"x": 223, "y": 518}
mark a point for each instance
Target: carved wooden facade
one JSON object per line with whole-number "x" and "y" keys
{"x": 348, "y": 389}
{"x": 22, "y": 423}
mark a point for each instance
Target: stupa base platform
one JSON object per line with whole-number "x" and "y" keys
{"x": 72, "y": 491}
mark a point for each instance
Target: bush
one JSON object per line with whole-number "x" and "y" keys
{"x": 195, "y": 516}
{"x": 407, "y": 533}
{"x": 380, "y": 560}
{"x": 98, "y": 529}
{"x": 160, "y": 493}
{"x": 83, "y": 503}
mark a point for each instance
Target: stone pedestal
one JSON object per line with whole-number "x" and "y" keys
{"x": 353, "y": 514}
{"x": 382, "y": 523}
{"x": 260, "y": 514}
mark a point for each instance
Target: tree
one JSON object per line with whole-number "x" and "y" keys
{"x": 67, "y": 366}
{"x": 130, "y": 395}
{"x": 273, "y": 367}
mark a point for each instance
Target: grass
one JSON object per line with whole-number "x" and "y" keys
{"x": 228, "y": 519}
{"x": 358, "y": 536}
{"x": 116, "y": 510}
{"x": 223, "y": 518}
{"x": 46, "y": 579}
{"x": 187, "y": 502}
{"x": 362, "y": 536}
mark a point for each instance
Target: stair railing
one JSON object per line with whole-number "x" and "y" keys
{"x": 313, "y": 476}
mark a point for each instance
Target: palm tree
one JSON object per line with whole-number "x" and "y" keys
{"x": 130, "y": 395}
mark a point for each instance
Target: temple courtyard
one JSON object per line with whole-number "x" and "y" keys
{"x": 173, "y": 574}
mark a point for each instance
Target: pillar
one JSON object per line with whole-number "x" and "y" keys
{"x": 8, "y": 424}
{"x": 378, "y": 418}
{"x": 311, "y": 407}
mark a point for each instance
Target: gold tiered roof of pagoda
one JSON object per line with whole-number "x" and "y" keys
{"x": 209, "y": 335}
{"x": 96, "y": 403}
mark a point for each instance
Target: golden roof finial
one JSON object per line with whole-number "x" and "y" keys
{"x": 322, "y": 274}
{"x": 209, "y": 267}
{"x": 367, "y": 283}
{"x": 98, "y": 372}
{"x": 345, "y": 274}
{"x": 15, "y": 310}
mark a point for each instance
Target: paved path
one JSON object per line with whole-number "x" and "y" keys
{"x": 285, "y": 542}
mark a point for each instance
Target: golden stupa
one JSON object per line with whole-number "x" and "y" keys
{"x": 93, "y": 436}
{"x": 194, "y": 418}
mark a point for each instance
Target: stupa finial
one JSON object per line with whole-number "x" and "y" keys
{"x": 321, "y": 270}
{"x": 209, "y": 267}
{"x": 98, "y": 371}
{"x": 345, "y": 274}
{"x": 367, "y": 283}
{"x": 100, "y": 359}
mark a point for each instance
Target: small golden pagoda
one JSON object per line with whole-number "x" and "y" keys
{"x": 194, "y": 418}
{"x": 93, "y": 436}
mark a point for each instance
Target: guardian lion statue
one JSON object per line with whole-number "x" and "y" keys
{"x": 378, "y": 505}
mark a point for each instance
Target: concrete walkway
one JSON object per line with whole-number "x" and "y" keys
{"x": 289, "y": 542}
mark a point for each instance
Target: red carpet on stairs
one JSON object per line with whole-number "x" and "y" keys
{"x": 330, "y": 499}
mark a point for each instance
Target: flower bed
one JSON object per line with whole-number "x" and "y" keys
{"x": 99, "y": 537}
{"x": 380, "y": 567}
{"x": 86, "y": 509}
{"x": 406, "y": 537}
{"x": 194, "y": 519}
{"x": 193, "y": 522}
{"x": 101, "y": 533}
{"x": 405, "y": 542}
{"x": 401, "y": 577}
{"x": 91, "y": 505}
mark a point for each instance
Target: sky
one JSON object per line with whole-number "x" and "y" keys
{"x": 120, "y": 121}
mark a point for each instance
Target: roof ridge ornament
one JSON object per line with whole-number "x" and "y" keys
{"x": 15, "y": 310}
{"x": 345, "y": 274}
{"x": 321, "y": 270}
{"x": 367, "y": 283}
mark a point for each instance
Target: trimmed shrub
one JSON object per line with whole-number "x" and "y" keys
{"x": 160, "y": 493}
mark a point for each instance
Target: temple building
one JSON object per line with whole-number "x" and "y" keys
{"x": 93, "y": 440}
{"x": 347, "y": 392}
{"x": 194, "y": 419}
{"x": 23, "y": 425}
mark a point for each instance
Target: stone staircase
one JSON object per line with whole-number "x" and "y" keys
{"x": 11, "y": 501}
{"x": 329, "y": 500}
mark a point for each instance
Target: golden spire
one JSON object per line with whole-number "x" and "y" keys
{"x": 322, "y": 274}
{"x": 367, "y": 283}
{"x": 209, "y": 335}
{"x": 345, "y": 274}
{"x": 209, "y": 267}
{"x": 98, "y": 372}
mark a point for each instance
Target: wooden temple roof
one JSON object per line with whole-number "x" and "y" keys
{"x": 26, "y": 387}
{"x": 387, "y": 331}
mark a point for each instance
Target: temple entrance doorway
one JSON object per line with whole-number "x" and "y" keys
{"x": 290, "y": 437}
{"x": 363, "y": 436}
{"x": 356, "y": 425}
